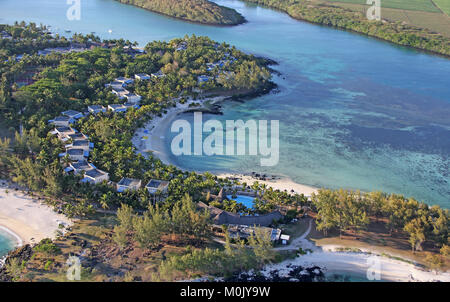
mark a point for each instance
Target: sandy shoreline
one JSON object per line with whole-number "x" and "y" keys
{"x": 151, "y": 138}
{"x": 280, "y": 183}
{"x": 365, "y": 263}
{"x": 361, "y": 264}
{"x": 26, "y": 218}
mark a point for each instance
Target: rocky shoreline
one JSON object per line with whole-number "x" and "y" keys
{"x": 22, "y": 253}
{"x": 295, "y": 274}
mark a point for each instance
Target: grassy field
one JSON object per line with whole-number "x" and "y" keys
{"x": 444, "y": 5}
{"x": 434, "y": 20}
{"x": 419, "y": 5}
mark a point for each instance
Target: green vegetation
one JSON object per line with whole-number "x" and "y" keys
{"x": 335, "y": 16}
{"x": 201, "y": 11}
{"x": 218, "y": 262}
{"x": 47, "y": 247}
{"x": 75, "y": 80}
{"x": 182, "y": 220}
{"x": 444, "y": 5}
{"x": 349, "y": 210}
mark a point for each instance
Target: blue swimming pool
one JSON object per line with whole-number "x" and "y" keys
{"x": 243, "y": 199}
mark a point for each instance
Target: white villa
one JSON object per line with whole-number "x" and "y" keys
{"x": 79, "y": 167}
{"x": 130, "y": 105}
{"x": 159, "y": 74}
{"x": 77, "y": 136}
{"x": 63, "y": 132}
{"x": 117, "y": 108}
{"x": 142, "y": 76}
{"x": 76, "y": 154}
{"x": 155, "y": 185}
{"x": 120, "y": 92}
{"x": 128, "y": 184}
{"x": 95, "y": 176}
{"x": 124, "y": 80}
{"x": 133, "y": 98}
{"x": 64, "y": 121}
{"x": 80, "y": 144}
{"x": 96, "y": 109}
{"x": 115, "y": 85}
{"x": 73, "y": 114}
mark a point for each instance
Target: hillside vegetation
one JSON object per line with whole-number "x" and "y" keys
{"x": 201, "y": 11}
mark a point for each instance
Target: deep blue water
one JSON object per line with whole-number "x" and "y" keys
{"x": 354, "y": 112}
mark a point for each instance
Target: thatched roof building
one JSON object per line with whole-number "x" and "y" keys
{"x": 220, "y": 217}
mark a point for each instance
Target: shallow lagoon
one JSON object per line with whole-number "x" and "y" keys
{"x": 7, "y": 242}
{"x": 354, "y": 112}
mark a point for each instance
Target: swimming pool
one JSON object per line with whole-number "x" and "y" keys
{"x": 243, "y": 199}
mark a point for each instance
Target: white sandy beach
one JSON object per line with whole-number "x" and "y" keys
{"x": 27, "y": 218}
{"x": 151, "y": 137}
{"x": 282, "y": 183}
{"x": 359, "y": 264}
{"x": 353, "y": 263}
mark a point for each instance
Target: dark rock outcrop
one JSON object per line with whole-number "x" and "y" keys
{"x": 22, "y": 253}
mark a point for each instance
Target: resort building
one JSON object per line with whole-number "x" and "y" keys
{"x": 120, "y": 92}
{"x": 124, "y": 81}
{"x": 130, "y": 105}
{"x": 96, "y": 109}
{"x": 142, "y": 76}
{"x": 115, "y": 85}
{"x": 73, "y": 114}
{"x": 182, "y": 46}
{"x": 221, "y": 217}
{"x": 80, "y": 144}
{"x": 77, "y": 136}
{"x": 244, "y": 231}
{"x": 95, "y": 176}
{"x": 157, "y": 186}
{"x": 79, "y": 167}
{"x": 63, "y": 132}
{"x": 158, "y": 75}
{"x": 128, "y": 184}
{"x": 117, "y": 108}
{"x": 64, "y": 121}
{"x": 75, "y": 154}
{"x": 203, "y": 78}
{"x": 132, "y": 98}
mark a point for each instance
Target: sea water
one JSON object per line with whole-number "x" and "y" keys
{"x": 355, "y": 112}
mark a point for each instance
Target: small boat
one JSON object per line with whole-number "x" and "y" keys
{"x": 67, "y": 30}
{"x": 110, "y": 30}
